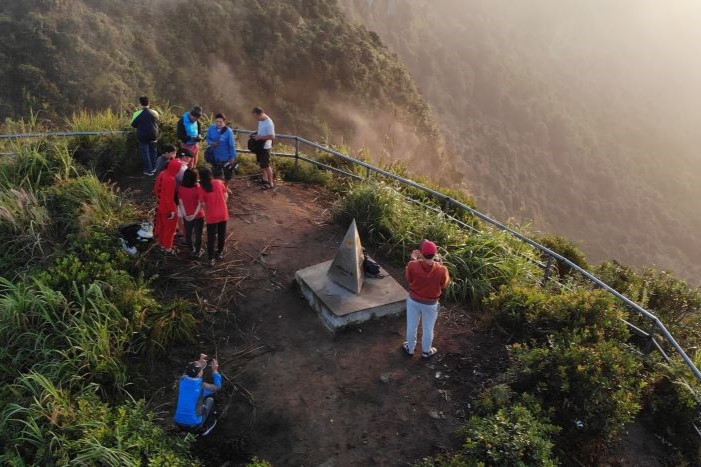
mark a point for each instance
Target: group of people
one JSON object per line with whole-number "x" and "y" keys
{"x": 190, "y": 198}
{"x": 190, "y": 195}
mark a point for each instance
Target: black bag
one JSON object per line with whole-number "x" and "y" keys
{"x": 254, "y": 145}
{"x": 370, "y": 267}
{"x": 209, "y": 155}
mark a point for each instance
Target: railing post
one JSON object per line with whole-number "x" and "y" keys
{"x": 650, "y": 344}
{"x": 446, "y": 205}
{"x": 296, "y": 151}
{"x": 548, "y": 267}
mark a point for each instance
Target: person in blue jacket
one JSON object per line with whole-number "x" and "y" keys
{"x": 146, "y": 120}
{"x": 189, "y": 129}
{"x": 222, "y": 140}
{"x": 195, "y": 397}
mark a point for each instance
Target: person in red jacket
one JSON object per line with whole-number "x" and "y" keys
{"x": 427, "y": 278}
{"x": 166, "y": 210}
{"x": 191, "y": 211}
{"x": 213, "y": 195}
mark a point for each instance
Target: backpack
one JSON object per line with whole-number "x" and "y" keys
{"x": 371, "y": 268}
{"x": 254, "y": 145}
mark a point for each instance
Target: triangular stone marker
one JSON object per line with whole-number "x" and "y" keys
{"x": 347, "y": 267}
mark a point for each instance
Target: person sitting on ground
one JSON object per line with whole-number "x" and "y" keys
{"x": 189, "y": 130}
{"x": 168, "y": 155}
{"x": 146, "y": 120}
{"x": 195, "y": 401}
{"x": 192, "y": 211}
{"x": 266, "y": 133}
{"x": 213, "y": 195}
{"x": 222, "y": 140}
{"x": 166, "y": 209}
{"x": 427, "y": 278}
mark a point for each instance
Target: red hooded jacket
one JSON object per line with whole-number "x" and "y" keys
{"x": 165, "y": 187}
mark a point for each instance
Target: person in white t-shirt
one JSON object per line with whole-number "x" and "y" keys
{"x": 266, "y": 132}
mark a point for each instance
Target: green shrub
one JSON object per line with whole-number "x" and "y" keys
{"x": 673, "y": 300}
{"x": 675, "y": 407}
{"x": 594, "y": 389}
{"x": 256, "y": 462}
{"x": 566, "y": 248}
{"x": 621, "y": 278}
{"x": 528, "y": 313}
{"x": 515, "y": 434}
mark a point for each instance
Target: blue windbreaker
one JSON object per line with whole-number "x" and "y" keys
{"x": 226, "y": 150}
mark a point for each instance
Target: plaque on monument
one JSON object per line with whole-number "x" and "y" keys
{"x": 347, "y": 267}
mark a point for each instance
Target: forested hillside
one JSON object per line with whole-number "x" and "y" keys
{"x": 315, "y": 72}
{"x": 582, "y": 116}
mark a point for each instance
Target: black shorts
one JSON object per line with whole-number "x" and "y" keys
{"x": 263, "y": 158}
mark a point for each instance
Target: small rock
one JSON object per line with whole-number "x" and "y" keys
{"x": 434, "y": 414}
{"x": 438, "y": 374}
{"x": 386, "y": 377}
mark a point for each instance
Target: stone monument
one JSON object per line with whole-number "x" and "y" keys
{"x": 341, "y": 294}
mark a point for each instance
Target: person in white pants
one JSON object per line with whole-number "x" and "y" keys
{"x": 427, "y": 278}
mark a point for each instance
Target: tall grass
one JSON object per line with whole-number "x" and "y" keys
{"x": 71, "y": 316}
{"x": 479, "y": 264}
{"x": 105, "y": 120}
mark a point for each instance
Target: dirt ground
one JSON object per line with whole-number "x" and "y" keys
{"x": 295, "y": 394}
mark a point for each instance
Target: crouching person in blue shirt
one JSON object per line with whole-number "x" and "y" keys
{"x": 195, "y": 397}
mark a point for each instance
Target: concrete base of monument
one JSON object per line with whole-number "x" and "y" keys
{"x": 339, "y": 307}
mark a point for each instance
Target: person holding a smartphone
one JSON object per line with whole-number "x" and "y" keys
{"x": 427, "y": 277}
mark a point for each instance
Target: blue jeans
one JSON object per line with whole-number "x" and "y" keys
{"x": 149, "y": 153}
{"x": 427, "y": 314}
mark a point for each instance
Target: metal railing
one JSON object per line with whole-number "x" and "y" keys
{"x": 447, "y": 203}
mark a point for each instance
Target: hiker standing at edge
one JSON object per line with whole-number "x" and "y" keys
{"x": 266, "y": 132}
{"x": 146, "y": 121}
{"x": 189, "y": 130}
{"x": 427, "y": 278}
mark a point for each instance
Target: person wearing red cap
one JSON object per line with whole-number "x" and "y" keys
{"x": 427, "y": 278}
{"x": 166, "y": 210}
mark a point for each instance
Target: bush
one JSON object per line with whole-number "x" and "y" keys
{"x": 566, "y": 248}
{"x": 677, "y": 304}
{"x": 302, "y": 172}
{"x": 594, "y": 388}
{"x": 528, "y": 313}
{"x": 675, "y": 407}
{"x": 512, "y": 435}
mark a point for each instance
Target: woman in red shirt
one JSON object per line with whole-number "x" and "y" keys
{"x": 166, "y": 219}
{"x": 192, "y": 211}
{"x": 213, "y": 195}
